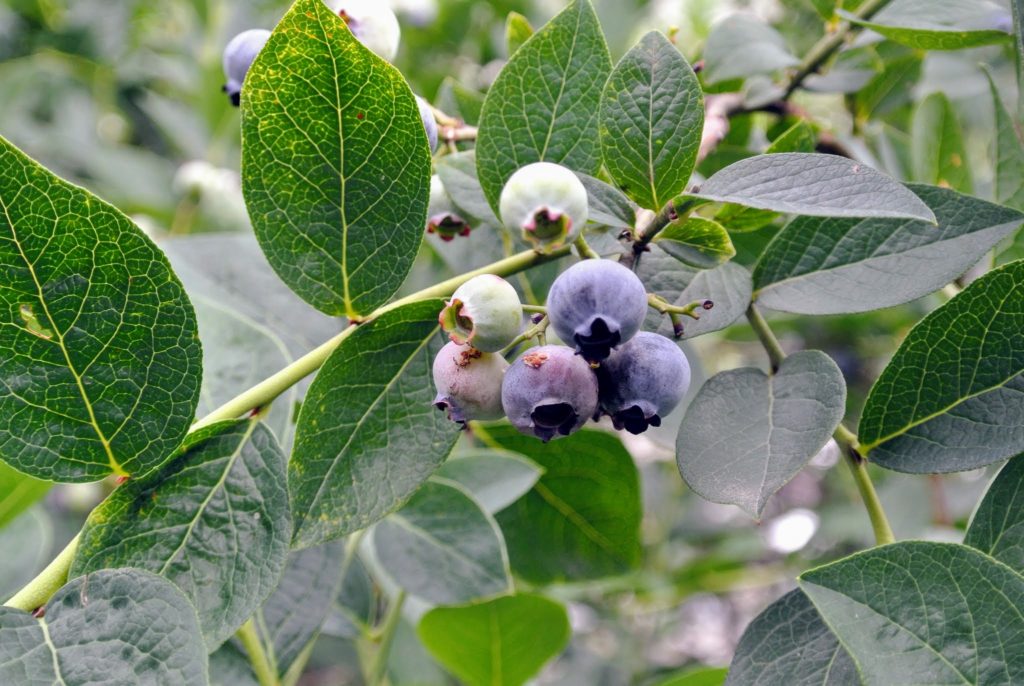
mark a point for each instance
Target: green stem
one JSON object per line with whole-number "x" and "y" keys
{"x": 40, "y": 589}
{"x": 266, "y": 675}
{"x": 379, "y": 671}
{"x": 584, "y": 250}
{"x": 828, "y": 44}
{"x": 768, "y": 340}
{"x": 846, "y": 439}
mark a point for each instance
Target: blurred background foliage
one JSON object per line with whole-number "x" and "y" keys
{"x": 123, "y": 97}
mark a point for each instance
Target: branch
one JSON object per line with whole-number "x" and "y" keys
{"x": 40, "y": 589}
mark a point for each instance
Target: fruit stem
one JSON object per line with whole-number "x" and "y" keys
{"x": 265, "y": 673}
{"x": 535, "y": 308}
{"x": 537, "y": 331}
{"x": 40, "y": 589}
{"x": 584, "y": 250}
{"x": 690, "y": 310}
{"x": 846, "y": 439}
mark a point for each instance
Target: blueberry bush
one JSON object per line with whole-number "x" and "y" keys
{"x": 494, "y": 343}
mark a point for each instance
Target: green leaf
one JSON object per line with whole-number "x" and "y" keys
{"x": 101, "y": 364}
{"x": 1009, "y": 155}
{"x": 607, "y": 204}
{"x": 543, "y": 107}
{"x": 891, "y": 89}
{"x": 939, "y": 156}
{"x": 228, "y": 268}
{"x": 652, "y": 115}
{"x": 797, "y": 138}
{"x": 368, "y": 434}
{"x": 293, "y": 614}
{"x": 951, "y": 397}
{"x": 939, "y": 24}
{"x": 29, "y": 538}
{"x": 230, "y": 667}
{"x": 214, "y": 520}
{"x": 997, "y": 528}
{"x": 829, "y": 266}
{"x": 501, "y": 642}
{"x": 727, "y": 286}
{"x": 517, "y": 31}
{"x": 581, "y": 520}
{"x": 812, "y": 184}
{"x": 746, "y": 434}
{"x": 442, "y": 547}
{"x": 702, "y": 676}
{"x": 18, "y": 492}
{"x": 335, "y": 163}
{"x": 495, "y": 478}
{"x": 740, "y": 46}
{"x": 459, "y": 101}
{"x": 698, "y": 242}
{"x": 458, "y": 174}
{"x": 924, "y": 613}
{"x": 789, "y": 643}
{"x": 1017, "y": 7}
{"x": 238, "y": 353}
{"x": 111, "y": 627}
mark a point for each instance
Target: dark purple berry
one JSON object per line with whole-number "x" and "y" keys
{"x": 597, "y": 305}
{"x": 468, "y": 383}
{"x": 549, "y": 391}
{"x": 238, "y": 56}
{"x": 643, "y": 381}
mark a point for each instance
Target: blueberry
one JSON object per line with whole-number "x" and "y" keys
{"x": 238, "y": 56}
{"x": 597, "y": 305}
{"x": 429, "y": 123}
{"x": 549, "y": 391}
{"x": 643, "y": 381}
{"x": 372, "y": 22}
{"x": 546, "y": 202}
{"x": 443, "y": 218}
{"x": 468, "y": 383}
{"x": 484, "y": 312}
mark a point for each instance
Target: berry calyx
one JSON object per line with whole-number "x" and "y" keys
{"x": 443, "y": 217}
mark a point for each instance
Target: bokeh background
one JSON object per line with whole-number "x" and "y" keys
{"x": 123, "y": 97}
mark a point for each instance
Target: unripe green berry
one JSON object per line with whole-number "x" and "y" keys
{"x": 547, "y": 203}
{"x": 372, "y": 22}
{"x": 484, "y": 312}
{"x": 443, "y": 217}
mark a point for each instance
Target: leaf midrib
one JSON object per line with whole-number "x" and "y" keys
{"x": 113, "y": 463}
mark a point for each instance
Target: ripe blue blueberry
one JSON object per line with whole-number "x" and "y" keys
{"x": 372, "y": 22}
{"x": 443, "y": 217}
{"x": 597, "y": 305}
{"x": 238, "y": 56}
{"x": 468, "y": 383}
{"x": 484, "y": 312}
{"x": 643, "y": 381}
{"x": 549, "y": 391}
{"x": 547, "y": 203}
{"x": 429, "y": 123}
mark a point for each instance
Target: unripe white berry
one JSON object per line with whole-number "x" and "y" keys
{"x": 372, "y": 22}
{"x": 546, "y": 202}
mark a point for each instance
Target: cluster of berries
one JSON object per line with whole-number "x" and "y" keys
{"x": 597, "y": 306}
